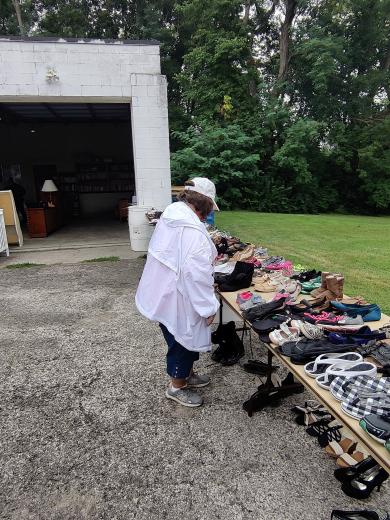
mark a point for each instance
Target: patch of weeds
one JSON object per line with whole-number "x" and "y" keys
{"x": 23, "y": 265}
{"x": 102, "y": 259}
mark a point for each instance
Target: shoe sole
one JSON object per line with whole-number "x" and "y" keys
{"x": 188, "y": 405}
{"x": 199, "y": 386}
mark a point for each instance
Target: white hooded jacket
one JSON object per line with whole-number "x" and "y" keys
{"x": 176, "y": 287}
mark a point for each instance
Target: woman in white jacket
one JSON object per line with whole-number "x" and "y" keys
{"x": 176, "y": 287}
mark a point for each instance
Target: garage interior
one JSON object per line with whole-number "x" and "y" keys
{"x": 84, "y": 148}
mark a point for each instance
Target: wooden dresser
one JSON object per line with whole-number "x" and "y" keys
{"x": 43, "y": 221}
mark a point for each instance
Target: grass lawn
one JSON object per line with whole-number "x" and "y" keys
{"x": 358, "y": 247}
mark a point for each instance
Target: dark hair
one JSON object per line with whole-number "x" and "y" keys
{"x": 204, "y": 205}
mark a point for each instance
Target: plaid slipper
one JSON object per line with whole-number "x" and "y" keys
{"x": 378, "y": 404}
{"x": 347, "y": 389}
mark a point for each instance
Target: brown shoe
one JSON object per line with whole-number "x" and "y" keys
{"x": 243, "y": 255}
{"x": 318, "y": 292}
{"x": 329, "y": 293}
{"x": 336, "y": 285}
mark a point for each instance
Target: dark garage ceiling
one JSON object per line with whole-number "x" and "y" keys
{"x": 64, "y": 112}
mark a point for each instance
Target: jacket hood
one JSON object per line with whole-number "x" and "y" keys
{"x": 165, "y": 244}
{"x": 179, "y": 214}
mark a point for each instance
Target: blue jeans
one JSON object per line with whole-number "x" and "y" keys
{"x": 179, "y": 359}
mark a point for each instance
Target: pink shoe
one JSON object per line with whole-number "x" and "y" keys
{"x": 278, "y": 266}
{"x": 285, "y": 266}
{"x": 282, "y": 294}
{"x": 244, "y": 297}
{"x": 328, "y": 316}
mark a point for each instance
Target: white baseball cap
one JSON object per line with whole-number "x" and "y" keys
{"x": 205, "y": 187}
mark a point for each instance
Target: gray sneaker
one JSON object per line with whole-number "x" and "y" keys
{"x": 197, "y": 380}
{"x": 349, "y": 320}
{"x": 184, "y": 397}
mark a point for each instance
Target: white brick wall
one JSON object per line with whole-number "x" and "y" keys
{"x": 98, "y": 71}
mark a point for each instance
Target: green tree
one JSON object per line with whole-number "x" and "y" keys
{"x": 218, "y": 62}
{"x": 273, "y": 99}
{"x": 17, "y": 17}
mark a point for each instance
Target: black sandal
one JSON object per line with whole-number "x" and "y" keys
{"x": 319, "y": 427}
{"x": 308, "y": 414}
{"x": 331, "y": 434}
{"x": 258, "y": 367}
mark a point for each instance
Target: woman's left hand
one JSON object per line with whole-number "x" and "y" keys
{"x": 210, "y": 320}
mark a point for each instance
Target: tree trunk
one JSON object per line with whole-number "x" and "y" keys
{"x": 284, "y": 39}
{"x": 247, "y": 8}
{"x": 386, "y": 68}
{"x": 18, "y": 12}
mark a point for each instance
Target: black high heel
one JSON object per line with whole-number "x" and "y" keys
{"x": 347, "y": 474}
{"x": 362, "y": 486}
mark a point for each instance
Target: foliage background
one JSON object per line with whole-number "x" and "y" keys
{"x": 283, "y": 103}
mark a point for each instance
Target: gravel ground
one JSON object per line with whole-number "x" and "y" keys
{"x": 86, "y": 432}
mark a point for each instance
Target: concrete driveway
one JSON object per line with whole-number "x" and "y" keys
{"x": 86, "y": 432}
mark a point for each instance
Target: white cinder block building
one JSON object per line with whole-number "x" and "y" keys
{"x": 89, "y": 114}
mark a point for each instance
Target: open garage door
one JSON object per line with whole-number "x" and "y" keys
{"x": 85, "y": 149}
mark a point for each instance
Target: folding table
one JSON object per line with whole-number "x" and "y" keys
{"x": 374, "y": 448}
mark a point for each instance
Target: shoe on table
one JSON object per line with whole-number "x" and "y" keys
{"x": 376, "y": 426}
{"x": 351, "y": 320}
{"x": 198, "y": 380}
{"x": 184, "y": 397}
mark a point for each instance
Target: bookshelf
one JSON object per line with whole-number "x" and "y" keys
{"x": 97, "y": 178}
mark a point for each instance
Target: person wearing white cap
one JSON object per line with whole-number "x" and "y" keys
{"x": 176, "y": 288}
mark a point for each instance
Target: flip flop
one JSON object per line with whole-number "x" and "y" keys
{"x": 323, "y": 361}
{"x": 346, "y": 370}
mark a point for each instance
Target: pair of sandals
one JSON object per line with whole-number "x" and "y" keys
{"x": 311, "y": 414}
{"x": 326, "y": 367}
{"x": 335, "y": 445}
{"x": 318, "y": 420}
{"x": 344, "y": 451}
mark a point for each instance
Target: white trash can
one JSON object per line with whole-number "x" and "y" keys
{"x": 139, "y": 229}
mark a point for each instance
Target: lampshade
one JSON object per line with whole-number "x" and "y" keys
{"x": 49, "y": 186}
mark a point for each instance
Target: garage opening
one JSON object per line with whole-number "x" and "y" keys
{"x": 81, "y": 150}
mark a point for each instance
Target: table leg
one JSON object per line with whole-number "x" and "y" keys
{"x": 269, "y": 372}
{"x": 220, "y": 311}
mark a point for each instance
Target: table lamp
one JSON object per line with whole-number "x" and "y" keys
{"x": 49, "y": 187}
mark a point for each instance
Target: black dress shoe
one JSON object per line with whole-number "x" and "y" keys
{"x": 363, "y": 484}
{"x": 347, "y": 474}
{"x": 358, "y": 515}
